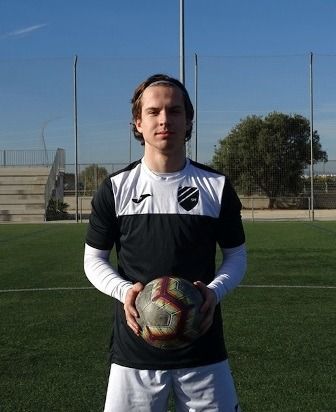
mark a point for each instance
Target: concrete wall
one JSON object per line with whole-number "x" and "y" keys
{"x": 84, "y": 205}
{"x": 22, "y": 193}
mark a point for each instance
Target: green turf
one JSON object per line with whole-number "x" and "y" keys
{"x": 281, "y": 345}
{"x": 54, "y": 344}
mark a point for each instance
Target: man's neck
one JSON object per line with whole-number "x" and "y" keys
{"x": 161, "y": 163}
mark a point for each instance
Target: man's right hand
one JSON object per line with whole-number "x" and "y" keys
{"x": 130, "y": 309}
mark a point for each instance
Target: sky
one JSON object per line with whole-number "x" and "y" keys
{"x": 253, "y": 58}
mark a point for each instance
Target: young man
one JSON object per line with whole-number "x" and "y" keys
{"x": 165, "y": 214}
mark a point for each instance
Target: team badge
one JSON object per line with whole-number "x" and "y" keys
{"x": 188, "y": 197}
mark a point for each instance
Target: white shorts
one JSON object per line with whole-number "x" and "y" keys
{"x": 204, "y": 389}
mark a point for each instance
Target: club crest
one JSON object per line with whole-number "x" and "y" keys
{"x": 188, "y": 197}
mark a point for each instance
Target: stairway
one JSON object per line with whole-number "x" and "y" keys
{"x": 22, "y": 194}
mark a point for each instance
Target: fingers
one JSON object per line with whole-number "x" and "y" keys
{"x": 130, "y": 310}
{"x": 209, "y": 296}
{"x": 208, "y": 307}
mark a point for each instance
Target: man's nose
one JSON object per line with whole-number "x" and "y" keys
{"x": 164, "y": 117}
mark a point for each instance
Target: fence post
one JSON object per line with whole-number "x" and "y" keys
{"x": 311, "y": 138}
{"x": 252, "y": 209}
{"x": 309, "y": 210}
{"x": 75, "y": 131}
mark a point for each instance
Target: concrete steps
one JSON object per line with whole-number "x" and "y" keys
{"x": 22, "y": 194}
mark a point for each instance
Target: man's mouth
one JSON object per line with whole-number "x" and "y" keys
{"x": 164, "y": 133}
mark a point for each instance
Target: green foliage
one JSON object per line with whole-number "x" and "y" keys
{"x": 91, "y": 177}
{"x": 57, "y": 210}
{"x": 267, "y": 155}
{"x": 324, "y": 184}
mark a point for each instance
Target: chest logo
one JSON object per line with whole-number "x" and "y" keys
{"x": 141, "y": 198}
{"x": 187, "y": 197}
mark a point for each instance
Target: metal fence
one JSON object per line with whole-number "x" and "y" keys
{"x": 91, "y": 175}
{"x": 27, "y": 157}
{"x": 55, "y": 183}
{"x": 37, "y": 110}
{"x": 37, "y": 100}
{"x": 255, "y": 206}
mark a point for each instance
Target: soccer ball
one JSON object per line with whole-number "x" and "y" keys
{"x": 169, "y": 312}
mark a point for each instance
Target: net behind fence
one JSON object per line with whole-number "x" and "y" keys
{"x": 37, "y": 102}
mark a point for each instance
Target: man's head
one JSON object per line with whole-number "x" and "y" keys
{"x": 166, "y": 81}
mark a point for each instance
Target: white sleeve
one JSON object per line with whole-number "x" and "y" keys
{"x": 231, "y": 271}
{"x": 102, "y": 275}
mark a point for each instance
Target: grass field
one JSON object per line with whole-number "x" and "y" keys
{"x": 279, "y": 325}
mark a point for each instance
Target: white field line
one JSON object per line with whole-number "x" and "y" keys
{"x": 288, "y": 286}
{"x": 241, "y": 286}
{"x": 45, "y": 289}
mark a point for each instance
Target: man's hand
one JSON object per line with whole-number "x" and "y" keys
{"x": 208, "y": 307}
{"x": 129, "y": 307}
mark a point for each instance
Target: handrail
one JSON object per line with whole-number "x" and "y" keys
{"x": 57, "y": 167}
{"x": 26, "y": 157}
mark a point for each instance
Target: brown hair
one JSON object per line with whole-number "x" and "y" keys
{"x": 166, "y": 80}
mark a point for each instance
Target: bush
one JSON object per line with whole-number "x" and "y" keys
{"x": 57, "y": 210}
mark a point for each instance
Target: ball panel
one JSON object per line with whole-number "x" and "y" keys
{"x": 169, "y": 312}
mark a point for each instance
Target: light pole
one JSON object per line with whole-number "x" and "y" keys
{"x": 182, "y": 64}
{"x": 43, "y": 134}
{"x": 75, "y": 131}
{"x": 196, "y": 103}
{"x": 43, "y": 141}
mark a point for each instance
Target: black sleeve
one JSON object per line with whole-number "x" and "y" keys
{"x": 230, "y": 231}
{"x": 102, "y": 230}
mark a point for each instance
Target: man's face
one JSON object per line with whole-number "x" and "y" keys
{"x": 163, "y": 122}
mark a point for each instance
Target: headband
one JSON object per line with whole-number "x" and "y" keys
{"x": 157, "y": 82}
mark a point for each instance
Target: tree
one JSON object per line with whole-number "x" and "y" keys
{"x": 91, "y": 177}
{"x": 267, "y": 155}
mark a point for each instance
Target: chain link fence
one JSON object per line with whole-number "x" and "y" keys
{"x": 255, "y": 206}
{"x": 37, "y": 114}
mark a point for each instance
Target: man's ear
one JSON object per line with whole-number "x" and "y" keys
{"x": 138, "y": 125}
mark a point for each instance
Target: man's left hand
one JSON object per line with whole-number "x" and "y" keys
{"x": 208, "y": 307}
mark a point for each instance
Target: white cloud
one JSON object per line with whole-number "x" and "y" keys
{"x": 22, "y": 32}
